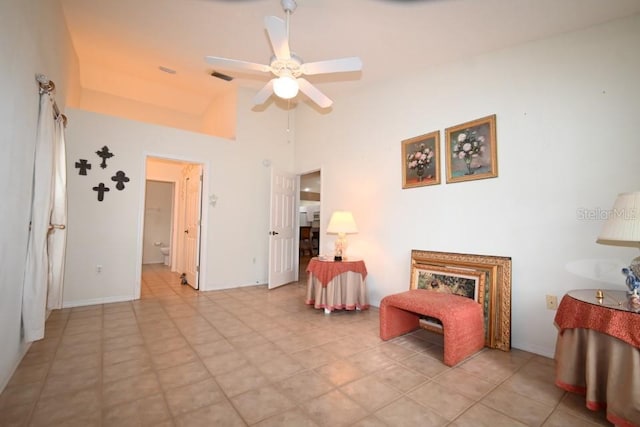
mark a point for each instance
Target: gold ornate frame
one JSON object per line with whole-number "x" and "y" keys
{"x": 432, "y": 142}
{"x": 496, "y": 300}
{"x": 486, "y": 159}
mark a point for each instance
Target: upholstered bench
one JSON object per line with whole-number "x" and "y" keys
{"x": 462, "y": 320}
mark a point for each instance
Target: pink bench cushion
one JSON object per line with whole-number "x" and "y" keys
{"x": 462, "y": 320}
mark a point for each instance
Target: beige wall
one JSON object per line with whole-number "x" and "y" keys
{"x": 33, "y": 39}
{"x": 567, "y": 127}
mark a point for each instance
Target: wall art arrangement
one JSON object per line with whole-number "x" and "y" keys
{"x": 484, "y": 278}
{"x": 421, "y": 160}
{"x": 471, "y": 153}
{"x": 120, "y": 178}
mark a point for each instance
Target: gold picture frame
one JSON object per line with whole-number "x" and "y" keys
{"x": 471, "y": 150}
{"x": 421, "y": 160}
{"x": 496, "y": 294}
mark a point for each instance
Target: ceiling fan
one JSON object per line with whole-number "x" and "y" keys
{"x": 286, "y": 66}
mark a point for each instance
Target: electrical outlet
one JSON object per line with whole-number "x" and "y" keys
{"x": 552, "y": 302}
{"x": 98, "y": 268}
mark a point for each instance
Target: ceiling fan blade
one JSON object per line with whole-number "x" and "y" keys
{"x": 341, "y": 65}
{"x": 277, "y": 30}
{"x": 236, "y": 64}
{"x": 314, "y": 94}
{"x": 264, "y": 93}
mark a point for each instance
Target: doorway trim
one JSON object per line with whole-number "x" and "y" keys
{"x": 298, "y": 204}
{"x": 204, "y": 217}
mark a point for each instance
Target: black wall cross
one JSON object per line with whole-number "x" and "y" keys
{"x": 120, "y": 177}
{"x": 101, "y": 189}
{"x": 83, "y": 165}
{"x": 104, "y": 154}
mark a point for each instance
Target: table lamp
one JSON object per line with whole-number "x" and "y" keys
{"x": 341, "y": 223}
{"x": 623, "y": 229}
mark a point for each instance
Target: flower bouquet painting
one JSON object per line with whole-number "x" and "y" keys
{"x": 471, "y": 150}
{"x": 421, "y": 160}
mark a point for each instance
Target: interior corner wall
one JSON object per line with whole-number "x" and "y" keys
{"x": 33, "y": 39}
{"x": 106, "y": 233}
{"x": 221, "y": 116}
{"x": 567, "y": 136}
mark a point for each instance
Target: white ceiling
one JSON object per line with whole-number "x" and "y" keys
{"x": 121, "y": 43}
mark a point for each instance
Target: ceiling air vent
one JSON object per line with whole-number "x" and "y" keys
{"x": 221, "y": 76}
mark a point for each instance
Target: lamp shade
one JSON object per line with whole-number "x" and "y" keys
{"x": 623, "y": 222}
{"x": 342, "y": 222}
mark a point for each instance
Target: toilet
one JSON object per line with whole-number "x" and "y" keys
{"x": 164, "y": 250}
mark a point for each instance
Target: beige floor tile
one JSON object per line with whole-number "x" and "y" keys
{"x": 66, "y": 351}
{"x": 466, "y": 384}
{"x": 340, "y": 372}
{"x": 292, "y": 418}
{"x": 173, "y": 358}
{"x": 370, "y": 393}
{"x": 219, "y": 414}
{"x": 74, "y": 364}
{"x": 304, "y": 386}
{"x": 134, "y": 352}
{"x": 30, "y": 374}
{"x": 425, "y": 365}
{"x": 395, "y": 351}
{"x": 166, "y": 345}
{"x": 58, "y": 408}
{"x": 212, "y": 348}
{"x": 400, "y": 378}
{"x": 576, "y": 405}
{"x": 126, "y": 369}
{"x": 483, "y": 416}
{"x": 525, "y": 410}
{"x": 370, "y": 360}
{"x": 445, "y": 402}
{"x": 194, "y": 396}
{"x": 334, "y": 409}
{"x": 279, "y": 367}
{"x": 241, "y": 380}
{"x": 540, "y": 390}
{"x": 180, "y": 375}
{"x": 314, "y": 357}
{"x": 123, "y": 341}
{"x": 405, "y": 412}
{"x": 370, "y": 421}
{"x": 130, "y": 388}
{"x": 225, "y": 362}
{"x": 261, "y": 403}
{"x": 560, "y": 418}
{"x": 21, "y": 394}
{"x": 15, "y": 415}
{"x": 71, "y": 381}
{"x": 147, "y": 411}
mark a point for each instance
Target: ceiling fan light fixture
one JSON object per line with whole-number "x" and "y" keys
{"x": 285, "y": 87}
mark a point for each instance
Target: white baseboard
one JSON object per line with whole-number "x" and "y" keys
{"x": 107, "y": 300}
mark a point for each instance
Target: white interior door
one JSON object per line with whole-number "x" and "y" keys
{"x": 192, "y": 205}
{"x": 282, "y": 232}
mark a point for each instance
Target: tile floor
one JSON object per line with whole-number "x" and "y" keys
{"x": 254, "y": 357}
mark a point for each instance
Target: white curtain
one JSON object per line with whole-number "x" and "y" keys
{"x": 47, "y": 187}
{"x": 58, "y": 234}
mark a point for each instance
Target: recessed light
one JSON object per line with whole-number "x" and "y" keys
{"x": 167, "y": 70}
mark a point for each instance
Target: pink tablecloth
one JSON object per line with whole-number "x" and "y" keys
{"x": 325, "y": 271}
{"x": 597, "y": 354}
{"x": 337, "y": 285}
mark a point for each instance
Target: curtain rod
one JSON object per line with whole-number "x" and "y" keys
{"x": 47, "y": 86}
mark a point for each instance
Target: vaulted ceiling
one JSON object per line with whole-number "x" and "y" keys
{"x": 122, "y": 43}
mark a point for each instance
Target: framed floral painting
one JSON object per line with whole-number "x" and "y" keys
{"x": 421, "y": 160}
{"x": 471, "y": 150}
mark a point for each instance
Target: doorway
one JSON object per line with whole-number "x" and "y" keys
{"x": 181, "y": 247}
{"x": 309, "y": 211}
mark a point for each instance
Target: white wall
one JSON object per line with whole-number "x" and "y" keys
{"x": 567, "y": 127}
{"x": 107, "y": 233}
{"x": 33, "y": 39}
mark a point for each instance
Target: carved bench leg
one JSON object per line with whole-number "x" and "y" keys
{"x": 395, "y": 322}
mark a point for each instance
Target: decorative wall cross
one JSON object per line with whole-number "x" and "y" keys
{"x": 120, "y": 178}
{"x": 104, "y": 154}
{"x": 101, "y": 189}
{"x": 83, "y": 165}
